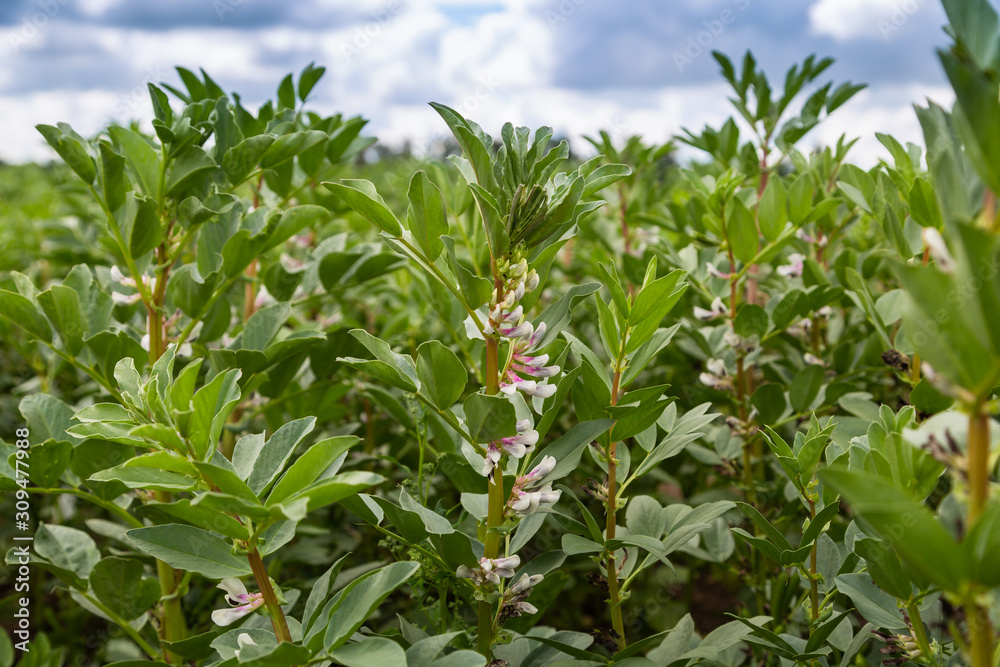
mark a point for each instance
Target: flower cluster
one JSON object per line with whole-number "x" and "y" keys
{"x": 506, "y": 319}
{"x": 514, "y": 598}
{"x": 241, "y": 602}
{"x": 526, "y": 498}
{"x": 516, "y": 445}
{"x": 523, "y": 363}
{"x": 490, "y": 570}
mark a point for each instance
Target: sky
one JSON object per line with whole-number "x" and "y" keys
{"x": 627, "y": 66}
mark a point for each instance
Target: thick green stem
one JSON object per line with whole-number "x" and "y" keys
{"x": 494, "y": 518}
{"x": 609, "y": 530}
{"x": 978, "y": 462}
{"x": 813, "y": 583}
{"x": 172, "y": 625}
{"x": 270, "y": 599}
{"x": 980, "y": 628}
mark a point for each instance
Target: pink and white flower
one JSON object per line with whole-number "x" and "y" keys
{"x": 793, "y": 269}
{"x": 240, "y": 601}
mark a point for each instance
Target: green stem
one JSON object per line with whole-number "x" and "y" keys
{"x": 86, "y": 369}
{"x": 278, "y": 621}
{"x": 124, "y": 625}
{"x": 813, "y": 583}
{"x": 980, "y": 629}
{"x": 429, "y": 266}
{"x": 494, "y": 520}
{"x": 494, "y": 517}
{"x": 91, "y": 498}
{"x": 919, "y": 632}
{"x": 611, "y": 567}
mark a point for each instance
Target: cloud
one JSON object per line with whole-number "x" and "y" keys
{"x": 846, "y": 20}
{"x": 577, "y": 65}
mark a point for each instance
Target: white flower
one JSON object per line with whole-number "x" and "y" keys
{"x": 241, "y": 602}
{"x": 715, "y": 273}
{"x": 495, "y": 568}
{"x": 938, "y": 250}
{"x": 525, "y": 583}
{"x": 811, "y": 358}
{"x": 717, "y": 309}
{"x": 120, "y": 299}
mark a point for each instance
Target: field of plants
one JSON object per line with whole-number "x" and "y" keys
{"x": 272, "y": 396}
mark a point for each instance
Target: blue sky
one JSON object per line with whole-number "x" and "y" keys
{"x": 632, "y": 66}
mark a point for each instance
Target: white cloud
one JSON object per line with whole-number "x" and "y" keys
{"x": 862, "y": 19}
{"x": 496, "y": 63}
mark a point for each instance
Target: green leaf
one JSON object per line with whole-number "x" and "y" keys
{"x": 741, "y": 232}
{"x": 916, "y": 536}
{"x": 489, "y": 418}
{"x": 142, "y": 159}
{"x": 816, "y": 526}
{"x": 568, "y": 448}
{"x": 309, "y": 467}
{"x": 145, "y": 478}
{"x": 873, "y": 604}
{"x": 389, "y": 367}
{"x": 442, "y": 375}
{"x": 275, "y": 453}
{"x": 47, "y": 417}
{"x": 288, "y": 146}
{"x": 187, "y": 169}
{"x": 370, "y": 651}
{"x": 800, "y": 198}
{"x": 769, "y": 399}
{"x": 751, "y": 320}
{"x": 67, "y": 548}
{"x": 805, "y": 387}
{"x": 360, "y": 599}
{"x": 651, "y": 305}
{"x": 118, "y": 583}
{"x": 334, "y": 489}
{"x": 924, "y": 204}
{"x": 773, "y": 209}
{"x": 211, "y": 406}
{"x": 61, "y": 305}
{"x": 190, "y": 549}
{"x": 21, "y": 312}
{"x": 362, "y": 197}
{"x": 427, "y": 214}
{"x": 49, "y": 460}
{"x": 242, "y": 158}
{"x": 70, "y": 148}
{"x": 884, "y": 567}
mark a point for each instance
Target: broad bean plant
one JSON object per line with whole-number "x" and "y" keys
{"x": 286, "y": 399}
